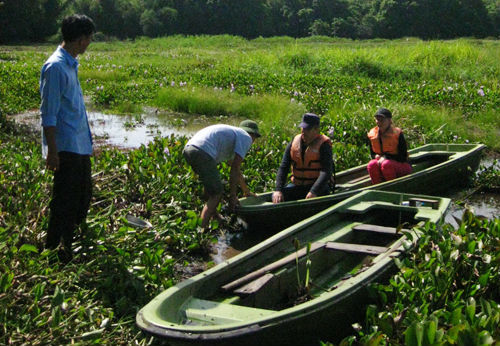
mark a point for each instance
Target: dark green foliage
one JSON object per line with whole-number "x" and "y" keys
{"x": 30, "y": 20}
{"x": 446, "y": 292}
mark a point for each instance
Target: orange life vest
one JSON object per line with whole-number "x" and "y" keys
{"x": 305, "y": 172}
{"x": 387, "y": 143}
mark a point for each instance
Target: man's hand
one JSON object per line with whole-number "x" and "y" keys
{"x": 311, "y": 195}
{"x": 277, "y": 197}
{"x": 249, "y": 194}
{"x": 52, "y": 162}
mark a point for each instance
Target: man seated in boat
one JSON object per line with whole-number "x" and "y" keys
{"x": 388, "y": 149}
{"x": 310, "y": 156}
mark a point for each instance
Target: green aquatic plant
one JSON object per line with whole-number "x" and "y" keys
{"x": 434, "y": 298}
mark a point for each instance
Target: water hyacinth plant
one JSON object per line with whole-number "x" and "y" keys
{"x": 433, "y": 88}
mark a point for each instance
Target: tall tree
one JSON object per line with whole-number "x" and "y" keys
{"x": 29, "y": 20}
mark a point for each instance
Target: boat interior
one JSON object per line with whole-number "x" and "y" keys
{"x": 340, "y": 247}
{"x": 358, "y": 177}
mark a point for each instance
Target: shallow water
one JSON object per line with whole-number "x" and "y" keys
{"x": 132, "y": 131}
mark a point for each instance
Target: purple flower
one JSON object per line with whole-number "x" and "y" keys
{"x": 480, "y": 92}
{"x": 166, "y": 151}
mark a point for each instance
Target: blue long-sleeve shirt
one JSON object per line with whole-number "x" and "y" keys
{"x": 62, "y": 104}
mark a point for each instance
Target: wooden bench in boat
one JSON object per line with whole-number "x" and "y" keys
{"x": 378, "y": 229}
{"x": 275, "y": 265}
{"x": 433, "y": 202}
{"x": 357, "y": 248}
{"x": 255, "y": 280}
{"x": 358, "y": 179}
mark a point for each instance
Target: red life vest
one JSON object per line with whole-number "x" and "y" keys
{"x": 387, "y": 143}
{"x": 305, "y": 172}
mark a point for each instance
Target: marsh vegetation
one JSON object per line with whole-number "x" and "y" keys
{"x": 439, "y": 91}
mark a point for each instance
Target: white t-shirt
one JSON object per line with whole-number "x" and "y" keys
{"x": 221, "y": 141}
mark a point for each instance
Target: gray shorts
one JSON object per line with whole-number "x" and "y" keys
{"x": 206, "y": 167}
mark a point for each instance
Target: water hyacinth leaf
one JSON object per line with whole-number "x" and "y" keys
{"x": 483, "y": 279}
{"x": 414, "y": 334}
{"x": 471, "y": 246}
{"x": 6, "y": 281}
{"x": 485, "y": 338}
{"x": 28, "y": 248}
{"x": 486, "y": 307}
{"x": 470, "y": 309}
{"x": 439, "y": 335}
{"x": 430, "y": 331}
{"x": 453, "y": 333}
{"x": 456, "y": 316}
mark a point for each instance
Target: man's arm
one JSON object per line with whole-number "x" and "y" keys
{"x": 282, "y": 174}
{"x": 326, "y": 158}
{"x": 235, "y": 178}
{"x": 52, "y": 161}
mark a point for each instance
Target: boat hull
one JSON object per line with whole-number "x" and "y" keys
{"x": 441, "y": 167}
{"x": 246, "y": 300}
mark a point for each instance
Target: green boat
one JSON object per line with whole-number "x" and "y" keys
{"x": 436, "y": 169}
{"x": 260, "y": 296}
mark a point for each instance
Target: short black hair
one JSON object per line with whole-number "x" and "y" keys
{"x": 75, "y": 26}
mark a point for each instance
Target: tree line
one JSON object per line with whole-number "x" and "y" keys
{"x": 37, "y": 20}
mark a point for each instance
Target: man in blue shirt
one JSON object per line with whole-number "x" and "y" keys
{"x": 67, "y": 141}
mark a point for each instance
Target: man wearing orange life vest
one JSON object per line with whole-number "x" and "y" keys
{"x": 388, "y": 149}
{"x": 310, "y": 156}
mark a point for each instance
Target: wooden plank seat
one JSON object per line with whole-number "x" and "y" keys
{"x": 257, "y": 279}
{"x": 270, "y": 267}
{"x": 379, "y": 229}
{"x": 254, "y": 285}
{"x": 434, "y": 203}
{"x": 356, "y": 248}
{"x": 358, "y": 179}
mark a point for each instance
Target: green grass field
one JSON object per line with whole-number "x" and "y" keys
{"x": 439, "y": 91}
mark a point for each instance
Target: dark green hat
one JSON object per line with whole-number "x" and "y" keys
{"x": 251, "y": 127}
{"x": 383, "y": 112}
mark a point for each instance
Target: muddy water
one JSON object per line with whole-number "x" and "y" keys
{"x": 132, "y": 131}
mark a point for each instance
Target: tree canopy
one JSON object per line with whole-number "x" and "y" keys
{"x": 36, "y": 20}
